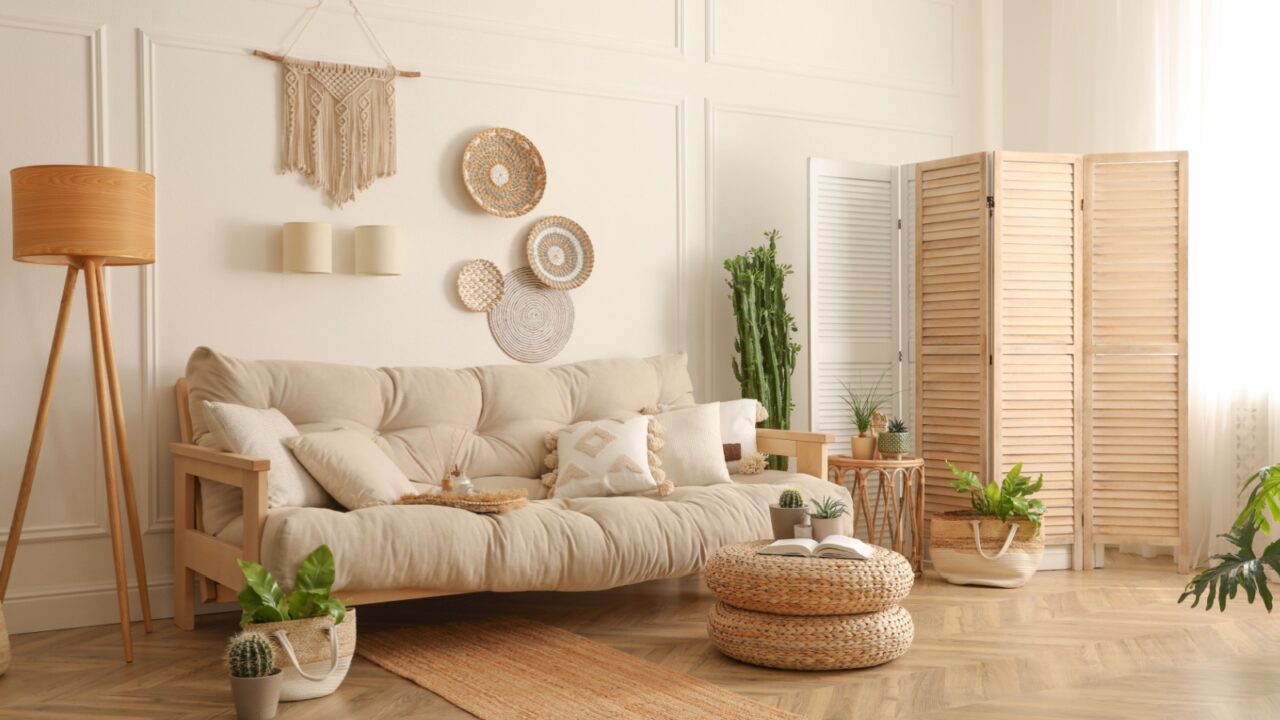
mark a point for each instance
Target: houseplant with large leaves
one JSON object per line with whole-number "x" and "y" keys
{"x": 1244, "y": 567}
{"x": 313, "y": 631}
{"x": 998, "y": 542}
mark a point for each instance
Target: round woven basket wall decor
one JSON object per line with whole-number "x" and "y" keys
{"x": 560, "y": 253}
{"x": 480, "y": 285}
{"x": 504, "y": 173}
{"x": 532, "y": 322}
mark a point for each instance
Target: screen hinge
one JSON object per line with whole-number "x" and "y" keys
{"x": 899, "y": 356}
{"x": 991, "y": 204}
{"x": 1082, "y": 203}
{"x": 899, "y": 223}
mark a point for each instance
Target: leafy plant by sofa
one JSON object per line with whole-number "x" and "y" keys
{"x": 1244, "y": 568}
{"x": 766, "y": 356}
{"x": 263, "y": 601}
{"x": 1004, "y": 500}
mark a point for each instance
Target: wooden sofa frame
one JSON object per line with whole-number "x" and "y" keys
{"x": 200, "y": 556}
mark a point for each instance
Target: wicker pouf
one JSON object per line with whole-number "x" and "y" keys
{"x": 807, "y": 586}
{"x": 820, "y": 642}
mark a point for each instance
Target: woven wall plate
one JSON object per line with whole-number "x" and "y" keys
{"x": 560, "y": 253}
{"x": 480, "y": 285}
{"x": 532, "y": 322}
{"x": 504, "y": 173}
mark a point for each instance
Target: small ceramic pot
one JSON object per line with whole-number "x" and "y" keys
{"x": 822, "y": 527}
{"x": 894, "y": 444}
{"x": 784, "y": 521}
{"x": 863, "y": 447}
{"x": 257, "y": 698}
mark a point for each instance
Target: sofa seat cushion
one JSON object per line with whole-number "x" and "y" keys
{"x": 556, "y": 544}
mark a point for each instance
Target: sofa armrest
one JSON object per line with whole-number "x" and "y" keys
{"x": 808, "y": 448}
{"x": 197, "y": 550}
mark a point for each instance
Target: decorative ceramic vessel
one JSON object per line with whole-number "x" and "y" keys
{"x": 895, "y": 444}
{"x": 784, "y": 521}
{"x": 972, "y": 549}
{"x": 822, "y": 527}
{"x": 257, "y": 698}
{"x": 802, "y": 531}
{"x": 863, "y": 447}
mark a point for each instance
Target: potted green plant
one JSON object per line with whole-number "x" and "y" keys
{"x": 826, "y": 517}
{"x": 895, "y": 441}
{"x": 255, "y": 679}
{"x": 863, "y": 405}
{"x": 998, "y": 543}
{"x": 766, "y": 356}
{"x": 313, "y": 632}
{"x": 786, "y": 514}
{"x": 1244, "y": 567}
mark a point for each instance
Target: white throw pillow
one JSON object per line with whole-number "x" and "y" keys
{"x": 738, "y": 427}
{"x": 355, "y": 471}
{"x": 261, "y": 433}
{"x": 693, "y": 453}
{"x": 601, "y": 458}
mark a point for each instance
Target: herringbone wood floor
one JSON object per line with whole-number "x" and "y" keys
{"x": 1105, "y": 644}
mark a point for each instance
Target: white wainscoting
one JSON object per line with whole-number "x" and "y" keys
{"x": 668, "y": 132}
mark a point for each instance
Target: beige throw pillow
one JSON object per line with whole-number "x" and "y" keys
{"x": 694, "y": 452}
{"x": 355, "y": 471}
{"x": 601, "y": 458}
{"x": 261, "y": 433}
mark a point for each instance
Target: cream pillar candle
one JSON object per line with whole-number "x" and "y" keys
{"x": 308, "y": 247}
{"x": 378, "y": 250}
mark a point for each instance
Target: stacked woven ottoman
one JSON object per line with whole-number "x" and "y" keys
{"x": 809, "y": 613}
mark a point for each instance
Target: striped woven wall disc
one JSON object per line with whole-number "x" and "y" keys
{"x": 532, "y": 322}
{"x": 504, "y": 173}
{"x": 560, "y": 253}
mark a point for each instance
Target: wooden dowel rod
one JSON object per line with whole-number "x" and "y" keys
{"x": 280, "y": 58}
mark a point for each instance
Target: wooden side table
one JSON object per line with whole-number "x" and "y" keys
{"x": 888, "y": 501}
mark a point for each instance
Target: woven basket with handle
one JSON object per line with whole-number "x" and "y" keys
{"x": 313, "y": 653}
{"x": 972, "y": 549}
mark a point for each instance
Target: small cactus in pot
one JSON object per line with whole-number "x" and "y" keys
{"x": 787, "y": 513}
{"x": 896, "y": 441}
{"x": 255, "y": 680}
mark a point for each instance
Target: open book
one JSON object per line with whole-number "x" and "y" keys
{"x": 834, "y": 546}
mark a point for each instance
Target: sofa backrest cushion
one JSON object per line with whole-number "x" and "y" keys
{"x": 493, "y": 419}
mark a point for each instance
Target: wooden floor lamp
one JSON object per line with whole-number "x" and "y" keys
{"x": 86, "y": 217}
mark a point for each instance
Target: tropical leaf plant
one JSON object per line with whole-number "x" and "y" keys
{"x": 1006, "y": 499}
{"x": 1244, "y": 568}
{"x": 263, "y": 601}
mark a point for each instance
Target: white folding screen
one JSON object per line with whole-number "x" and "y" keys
{"x": 855, "y": 315}
{"x": 907, "y": 263}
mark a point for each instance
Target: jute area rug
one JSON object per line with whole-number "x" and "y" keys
{"x": 511, "y": 668}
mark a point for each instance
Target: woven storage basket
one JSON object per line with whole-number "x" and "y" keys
{"x": 4, "y": 643}
{"x": 309, "y": 639}
{"x": 824, "y": 642}
{"x": 1003, "y": 554}
{"x": 807, "y": 586}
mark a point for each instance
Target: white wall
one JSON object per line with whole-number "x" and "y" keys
{"x": 674, "y": 131}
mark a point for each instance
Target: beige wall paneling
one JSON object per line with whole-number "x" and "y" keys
{"x": 1135, "y": 431}
{"x": 1036, "y": 331}
{"x": 952, "y": 269}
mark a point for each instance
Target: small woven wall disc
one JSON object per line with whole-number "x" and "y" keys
{"x": 480, "y": 285}
{"x": 504, "y": 173}
{"x": 560, "y": 253}
{"x": 532, "y": 322}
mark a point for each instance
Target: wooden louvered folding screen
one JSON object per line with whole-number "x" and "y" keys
{"x": 1036, "y": 330}
{"x": 853, "y": 288}
{"x": 951, "y": 321}
{"x": 1135, "y": 444}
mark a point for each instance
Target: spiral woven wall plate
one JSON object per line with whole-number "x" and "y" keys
{"x": 532, "y": 322}
{"x": 480, "y": 285}
{"x": 504, "y": 173}
{"x": 560, "y": 253}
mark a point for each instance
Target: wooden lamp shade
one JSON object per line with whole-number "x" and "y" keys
{"x": 65, "y": 213}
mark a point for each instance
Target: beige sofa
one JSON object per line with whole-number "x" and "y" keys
{"x": 494, "y": 420}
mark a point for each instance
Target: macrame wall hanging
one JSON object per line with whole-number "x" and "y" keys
{"x": 339, "y": 121}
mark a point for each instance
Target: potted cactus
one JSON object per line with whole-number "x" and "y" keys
{"x": 896, "y": 441}
{"x": 826, "y": 517}
{"x": 786, "y": 514}
{"x": 255, "y": 679}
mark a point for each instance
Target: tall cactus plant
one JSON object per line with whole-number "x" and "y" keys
{"x": 766, "y": 356}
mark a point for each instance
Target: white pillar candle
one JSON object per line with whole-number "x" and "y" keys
{"x": 308, "y": 247}
{"x": 803, "y": 531}
{"x": 378, "y": 250}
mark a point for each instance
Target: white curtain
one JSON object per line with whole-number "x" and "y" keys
{"x": 1198, "y": 75}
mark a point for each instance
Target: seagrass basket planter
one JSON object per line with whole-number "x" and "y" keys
{"x": 313, "y": 653}
{"x": 971, "y": 549}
